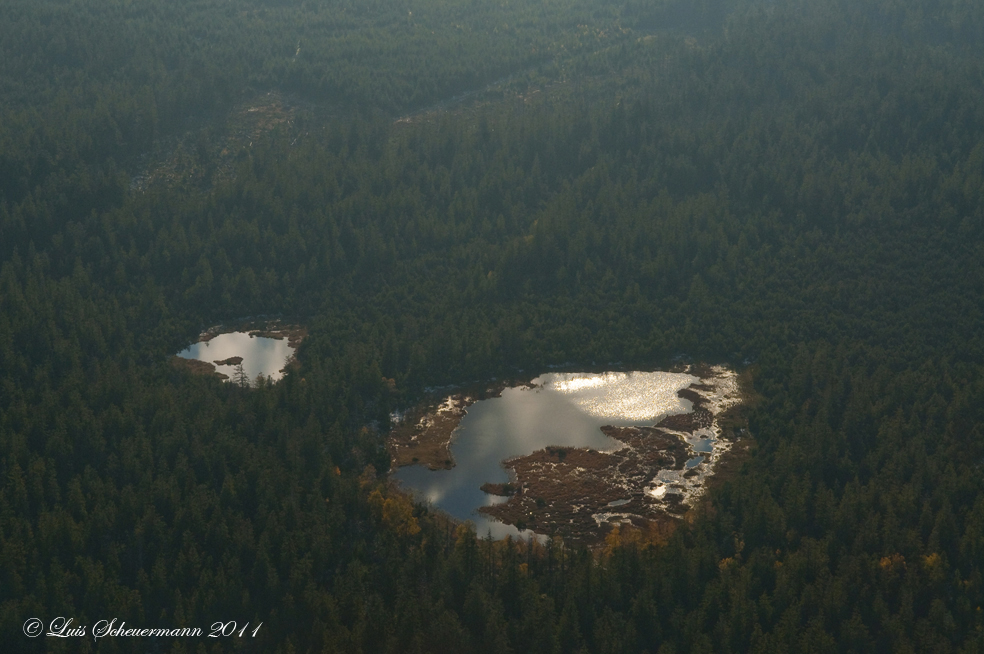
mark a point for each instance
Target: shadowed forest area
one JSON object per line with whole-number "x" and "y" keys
{"x": 448, "y": 191}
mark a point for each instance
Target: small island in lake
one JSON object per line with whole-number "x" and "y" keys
{"x": 264, "y": 347}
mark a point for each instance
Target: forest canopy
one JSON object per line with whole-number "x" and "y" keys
{"x": 450, "y": 191}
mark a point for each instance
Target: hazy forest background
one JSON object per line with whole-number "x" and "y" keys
{"x": 448, "y": 190}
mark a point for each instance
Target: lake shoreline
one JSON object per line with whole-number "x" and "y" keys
{"x": 581, "y": 493}
{"x": 649, "y": 483}
{"x": 424, "y": 435}
{"x": 274, "y": 329}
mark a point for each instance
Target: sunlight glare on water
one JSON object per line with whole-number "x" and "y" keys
{"x": 260, "y": 354}
{"x": 622, "y": 395}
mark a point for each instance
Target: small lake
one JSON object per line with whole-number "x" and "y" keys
{"x": 261, "y": 355}
{"x": 561, "y": 409}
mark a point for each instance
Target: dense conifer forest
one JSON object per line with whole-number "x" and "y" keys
{"x": 451, "y": 190}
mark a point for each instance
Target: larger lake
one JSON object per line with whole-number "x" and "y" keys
{"x": 561, "y": 409}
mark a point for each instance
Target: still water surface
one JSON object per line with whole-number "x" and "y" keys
{"x": 260, "y": 354}
{"x": 565, "y": 409}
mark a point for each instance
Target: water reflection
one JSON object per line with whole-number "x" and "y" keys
{"x": 703, "y": 445}
{"x": 627, "y": 396}
{"x": 261, "y": 355}
{"x": 562, "y": 409}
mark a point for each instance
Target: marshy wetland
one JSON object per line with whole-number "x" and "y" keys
{"x": 572, "y": 454}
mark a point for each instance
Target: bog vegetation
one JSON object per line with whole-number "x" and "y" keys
{"x": 791, "y": 187}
